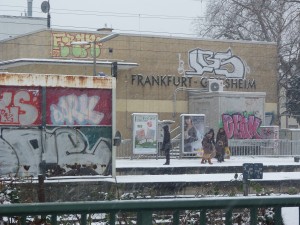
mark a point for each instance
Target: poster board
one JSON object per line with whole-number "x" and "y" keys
{"x": 144, "y": 133}
{"x": 192, "y": 132}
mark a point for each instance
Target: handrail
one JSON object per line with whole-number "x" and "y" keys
{"x": 145, "y": 208}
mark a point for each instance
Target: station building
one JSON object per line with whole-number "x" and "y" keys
{"x": 155, "y": 74}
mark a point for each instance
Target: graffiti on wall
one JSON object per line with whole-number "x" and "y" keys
{"x": 78, "y": 107}
{"x": 220, "y": 63}
{"x": 241, "y": 126}
{"x": 19, "y": 107}
{"x": 64, "y": 150}
{"x": 75, "y": 137}
{"x": 62, "y": 45}
{"x": 269, "y": 132}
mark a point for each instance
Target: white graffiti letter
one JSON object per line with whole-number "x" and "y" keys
{"x": 74, "y": 109}
{"x": 30, "y": 112}
{"x": 219, "y": 63}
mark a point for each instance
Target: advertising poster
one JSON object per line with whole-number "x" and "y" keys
{"x": 192, "y": 132}
{"x": 144, "y": 133}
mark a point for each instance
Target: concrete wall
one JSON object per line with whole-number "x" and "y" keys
{"x": 240, "y": 113}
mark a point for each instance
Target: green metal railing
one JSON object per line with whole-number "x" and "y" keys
{"x": 90, "y": 212}
{"x": 87, "y": 212}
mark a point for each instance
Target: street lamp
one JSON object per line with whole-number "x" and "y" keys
{"x": 101, "y": 40}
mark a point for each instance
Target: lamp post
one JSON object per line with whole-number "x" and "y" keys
{"x": 101, "y": 40}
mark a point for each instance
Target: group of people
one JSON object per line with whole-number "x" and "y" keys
{"x": 214, "y": 148}
{"x": 211, "y": 147}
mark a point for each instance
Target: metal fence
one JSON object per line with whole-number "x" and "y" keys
{"x": 265, "y": 147}
{"x": 245, "y": 147}
{"x": 151, "y": 211}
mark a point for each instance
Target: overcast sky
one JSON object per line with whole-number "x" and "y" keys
{"x": 166, "y": 17}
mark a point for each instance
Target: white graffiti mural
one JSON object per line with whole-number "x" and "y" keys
{"x": 73, "y": 109}
{"x": 220, "y": 63}
{"x": 27, "y": 152}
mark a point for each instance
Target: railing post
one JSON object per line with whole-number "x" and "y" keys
{"x": 176, "y": 217}
{"x": 23, "y": 220}
{"x": 54, "y": 219}
{"x": 203, "y": 217}
{"x": 253, "y": 216}
{"x": 144, "y": 218}
{"x": 83, "y": 219}
{"x": 299, "y": 215}
{"x": 112, "y": 218}
{"x": 228, "y": 217}
{"x": 41, "y": 188}
{"x": 277, "y": 217}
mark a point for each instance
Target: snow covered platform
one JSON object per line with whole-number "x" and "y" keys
{"x": 189, "y": 176}
{"x": 193, "y": 166}
{"x": 182, "y": 178}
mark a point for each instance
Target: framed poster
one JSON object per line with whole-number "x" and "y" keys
{"x": 144, "y": 134}
{"x": 192, "y": 132}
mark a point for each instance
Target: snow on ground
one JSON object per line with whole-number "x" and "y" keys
{"x": 192, "y": 162}
{"x": 290, "y": 214}
{"x": 233, "y": 161}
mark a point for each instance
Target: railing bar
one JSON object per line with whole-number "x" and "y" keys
{"x": 203, "y": 217}
{"x": 253, "y": 216}
{"x": 176, "y": 217}
{"x": 228, "y": 217}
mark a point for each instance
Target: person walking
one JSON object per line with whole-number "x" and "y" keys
{"x": 166, "y": 145}
{"x": 221, "y": 143}
{"x": 208, "y": 145}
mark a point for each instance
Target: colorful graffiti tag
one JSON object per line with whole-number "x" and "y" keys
{"x": 62, "y": 45}
{"x": 241, "y": 126}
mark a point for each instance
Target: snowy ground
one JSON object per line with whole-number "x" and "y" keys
{"x": 233, "y": 161}
{"x": 290, "y": 215}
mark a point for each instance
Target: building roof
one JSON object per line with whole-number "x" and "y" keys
{"x": 122, "y": 65}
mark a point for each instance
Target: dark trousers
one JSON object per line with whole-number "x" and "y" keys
{"x": 220, "y": 155}
{"x": 167, "y": 153}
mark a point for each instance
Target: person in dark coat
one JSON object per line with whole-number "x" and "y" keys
{"x": 221, "y": 143}
{"x": 208, "y": 145}
{"x": 166, "y": 145}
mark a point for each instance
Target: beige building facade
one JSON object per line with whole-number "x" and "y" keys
{"x": 155, "y": 74}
